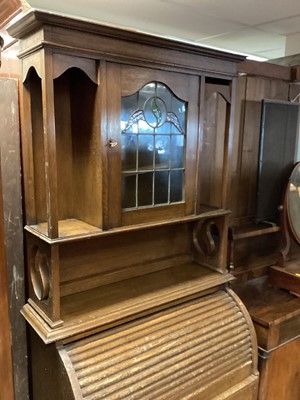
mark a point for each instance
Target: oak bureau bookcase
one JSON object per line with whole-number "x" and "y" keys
{"x": 125, "y": 140}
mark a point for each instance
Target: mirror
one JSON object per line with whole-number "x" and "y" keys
{"x": 286, "y": 273}
{"x": 293, "y": 202}
{"x": 278, "y": 153}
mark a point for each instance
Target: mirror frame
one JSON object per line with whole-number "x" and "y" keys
{"x": 293, "y": 202}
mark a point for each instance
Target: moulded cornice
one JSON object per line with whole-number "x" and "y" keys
{"x": 35, "y": 19}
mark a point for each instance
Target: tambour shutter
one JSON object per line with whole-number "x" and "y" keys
{"x": 198, "y": 349}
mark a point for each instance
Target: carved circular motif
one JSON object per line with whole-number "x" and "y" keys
{"x": 39, "y": 274}
{"x": 206, "y": 237}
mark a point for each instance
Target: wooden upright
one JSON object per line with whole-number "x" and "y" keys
{"x": 6, "y": 367}
{"x": 6, "y": 371}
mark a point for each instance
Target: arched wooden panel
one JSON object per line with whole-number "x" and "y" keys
{"x": 62, "y": 63}
{"x": 213, "y": 147}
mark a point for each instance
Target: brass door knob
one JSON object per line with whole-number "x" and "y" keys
{"x": 112, "y": 143}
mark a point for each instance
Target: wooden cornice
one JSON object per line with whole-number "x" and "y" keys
{"x": 35, "y": 19}
{"x": 267, "y": 69}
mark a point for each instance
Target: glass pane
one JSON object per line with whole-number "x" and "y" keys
{"x": 176, "y": 185}
{"x": 166, "y": 129}
{"x": 128, "y": 191}
{"x": 161, "y": 192}
{"x": 164, "y": 93}
{"x": 145, "y": 156}
{"x": 177, "y": 151}
{"x": 162, "y": 151}
{"x": 144, "y": 128}
{"x": 146, "y": 92}
{"x": 129, "y": 143}
{"x": 179, "y": 109}
{"x": 145, "y": 189}
{"x": 129, "y": 105}
{"x": 153, "y": 124}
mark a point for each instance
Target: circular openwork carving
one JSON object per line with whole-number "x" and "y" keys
{"x": 39, "y": 274}
{"x": 206, "y": 237}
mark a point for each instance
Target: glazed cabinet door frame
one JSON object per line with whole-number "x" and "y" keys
{"x": 124, "y": 80}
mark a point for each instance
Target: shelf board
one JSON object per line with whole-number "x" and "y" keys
{"x": 74, "y": 229}
{"x": 66, "y": 228}
{"x": 110, "y": 305}
{"x": 253, "y": 230}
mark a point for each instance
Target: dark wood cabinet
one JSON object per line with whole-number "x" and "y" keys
{"x": 256, "y": 244}
{"x": 121, "y": 241}
{"x": 276, "y": 317}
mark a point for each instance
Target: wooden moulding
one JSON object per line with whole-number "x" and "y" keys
{"x": 97, "y": 40}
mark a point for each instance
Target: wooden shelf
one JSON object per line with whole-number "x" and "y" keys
{"x": 66, "y": 228}
{"x": 253, "y": 230}
{"x": 106, "y": 306}
{"x": 74, "y": 229}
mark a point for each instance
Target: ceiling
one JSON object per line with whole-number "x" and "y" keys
{"x": 263, "y": 29}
